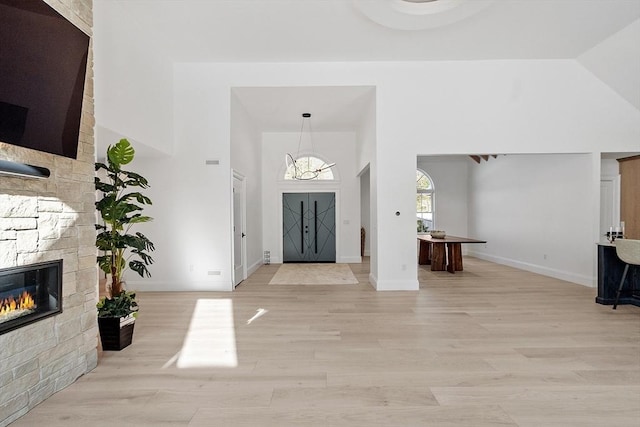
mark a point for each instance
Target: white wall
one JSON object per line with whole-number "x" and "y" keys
{"x": 461, "y": 108}
{"x": 134, "y": 86}
{"x": 336, "y": 147}
{"x": 484, "y": 107}
{"x": 192, "y": 200}
{"x": 610, "y": 167}
{"x": 615, "y": 61}
{"x": 536, "y": 213}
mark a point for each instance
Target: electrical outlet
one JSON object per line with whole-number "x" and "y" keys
{"x": 214, "y": 272}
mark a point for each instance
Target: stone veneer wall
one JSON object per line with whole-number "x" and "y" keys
{"x": 44, "y": 220}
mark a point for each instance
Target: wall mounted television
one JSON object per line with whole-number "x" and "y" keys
{"x": 43, "y": 62}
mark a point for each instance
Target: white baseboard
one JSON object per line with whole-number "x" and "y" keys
{"x": 394, "y": 285}
{"x": 373, "y": 280}
{"x": 254, "y": 267}
{"x": 350, "y": 260}
{"x": 580, "y": 279}
{"x": 183, "y": 286}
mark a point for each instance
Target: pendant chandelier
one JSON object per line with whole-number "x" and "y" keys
{"x": 305, "y": 171}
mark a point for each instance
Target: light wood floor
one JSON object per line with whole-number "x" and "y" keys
{"x": 490, "y": 346}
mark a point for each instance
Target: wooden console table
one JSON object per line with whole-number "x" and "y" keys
{"x": 443, "y": 254}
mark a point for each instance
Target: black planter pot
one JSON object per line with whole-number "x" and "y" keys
{"x": 116, "y": 333}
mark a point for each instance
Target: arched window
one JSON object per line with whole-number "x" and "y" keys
{"x": 307, "y": 168}
{"x": 424, "y": 201}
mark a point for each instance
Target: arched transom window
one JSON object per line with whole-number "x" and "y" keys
{"x": 424, "y": 202}
{"x": 308, "y": 168}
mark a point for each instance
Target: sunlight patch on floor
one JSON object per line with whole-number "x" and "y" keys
{"x": 211, "y": 338}
{"x": 259, "y": 313}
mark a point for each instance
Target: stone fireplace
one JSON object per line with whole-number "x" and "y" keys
{"x": 43, "y": 221}
{"x": 29, "y": 294}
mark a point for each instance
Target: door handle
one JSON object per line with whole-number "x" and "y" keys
{"x": 243, "y": 235}
{"x": 315, "y": 224}
{"x": 301, "y": 222}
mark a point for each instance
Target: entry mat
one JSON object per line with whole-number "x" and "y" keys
{"x": 314, "y": 274}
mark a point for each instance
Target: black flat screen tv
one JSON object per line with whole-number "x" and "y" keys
{"x": 43, "y": 62}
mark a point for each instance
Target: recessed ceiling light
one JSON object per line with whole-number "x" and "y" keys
{"x": 419, "y": 14}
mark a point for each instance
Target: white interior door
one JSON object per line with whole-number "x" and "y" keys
{"x": 239, "y": 221}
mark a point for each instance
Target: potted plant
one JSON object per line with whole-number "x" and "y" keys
{"x": 116, "y": 318}
{"x": 120, "y": 248}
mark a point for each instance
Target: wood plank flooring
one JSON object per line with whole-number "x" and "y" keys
{"x": 489, "y": 346}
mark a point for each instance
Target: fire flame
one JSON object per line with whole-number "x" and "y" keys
{"x": 23, "y": 302}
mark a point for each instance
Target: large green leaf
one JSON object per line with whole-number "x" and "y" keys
{"x": 148, "y": 244}
{"x": 140, "y": 198}
{"x": 138, "y": 242}
{"x": 134, "y": 180}
{"x": 104, "y": 262}
{"x": 136, "y": 219}
{"x": 139, "y": 268}
{"x": 104, "y": 186}
{"x": 117, "y": 214}
{"x": 120, "y": 154}
{"x": 109, "y": 241}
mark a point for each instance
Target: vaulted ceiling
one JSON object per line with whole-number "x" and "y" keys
{"x": 603, "y": 35}
{"x": 358, "y": 30}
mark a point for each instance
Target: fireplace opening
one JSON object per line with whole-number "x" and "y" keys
{"x": 29, "y": 293}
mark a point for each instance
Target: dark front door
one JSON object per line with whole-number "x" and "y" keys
{"x": 309, "y": 227}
